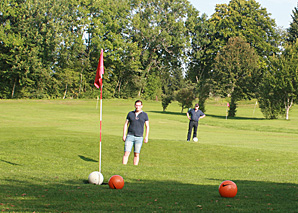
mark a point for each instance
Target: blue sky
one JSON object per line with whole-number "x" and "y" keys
{"x": 281, "y": 10}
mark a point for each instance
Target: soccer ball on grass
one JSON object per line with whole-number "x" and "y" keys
{"x": 227, "y": 189}
{"x": 116, "y": 182}
{"x": 95, "y": 178}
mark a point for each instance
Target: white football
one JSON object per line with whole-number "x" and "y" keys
{"x": 195, "y": 139}
{"x": 95, "y": 178}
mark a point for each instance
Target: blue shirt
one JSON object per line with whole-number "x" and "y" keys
{"x": 136, "y": 123}
{"x": 195, "y": 115}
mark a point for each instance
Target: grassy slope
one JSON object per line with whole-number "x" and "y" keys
{"x": 48, "y": 149}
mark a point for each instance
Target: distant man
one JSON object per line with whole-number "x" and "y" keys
{"x": 194, "y": 115}
{"x": 133, "y": 132}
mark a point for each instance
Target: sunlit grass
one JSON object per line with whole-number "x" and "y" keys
{"x": 48, "y": 149}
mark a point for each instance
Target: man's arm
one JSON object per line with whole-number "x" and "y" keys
{"x": 187, "y": 114}
{"x": 147, "y": 132}
{"x": 125, "y": 130}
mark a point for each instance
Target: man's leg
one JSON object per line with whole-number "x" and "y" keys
{"x": 125, "y": 157}
{"x": 195, "y": 129}
{"x": 127, "y": 148}
{"x": 189, "y": 130}
{"x": 136, "y": 159}
{"x": 137, "y": 149}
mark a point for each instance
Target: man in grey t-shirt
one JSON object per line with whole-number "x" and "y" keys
{"x": 133, "y": 132}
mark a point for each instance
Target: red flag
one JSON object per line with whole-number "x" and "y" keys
{"x": 228, "y": 104}
{"x": 99, "y": 72}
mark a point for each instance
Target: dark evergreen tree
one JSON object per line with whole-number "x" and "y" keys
{"x": 293, "y": 29}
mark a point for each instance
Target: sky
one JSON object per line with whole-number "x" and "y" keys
{"x": 281, "y": 10}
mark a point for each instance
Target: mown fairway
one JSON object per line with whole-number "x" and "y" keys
{"x": 48, "y": 149}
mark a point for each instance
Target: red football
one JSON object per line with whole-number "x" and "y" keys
{"x": 116, "y": 182}
{"x": 227, "y": 189}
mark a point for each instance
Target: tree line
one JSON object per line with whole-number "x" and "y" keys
{"x": 153, "y": 49}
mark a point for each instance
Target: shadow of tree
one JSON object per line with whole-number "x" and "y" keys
{"x": 234, "y": 118}
{"x": 168, "y": 113}
{"x": 146, "y": 196}
{"x": 211, "y": 115}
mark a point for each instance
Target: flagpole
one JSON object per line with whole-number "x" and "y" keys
{"x": 100, "y": 128}
{"x": 101, "y": 68}
{"x": 228, "y": 105}
{"x": 99, "y": 85}
{"x": 255, "y": 108}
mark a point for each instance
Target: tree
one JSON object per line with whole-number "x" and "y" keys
{"x": 110, "y": 29}
{"x": 293, "y": 29}
{"x": 48, "y": 46}
{"x": 279, "y": 90}
{"x": 199, "y": 65}
{"x": 236, "y": 72}
{"x": 20, "y": 32}
{"x": 269, "y": 102}
{"x": 34, "y": 34}
{"x": 166, "y": 100}
{"x": 185, "y": 96}
{"x": 70, "y": 53}
{"x": 159, "y": 28}
{"x": 245, "y": 19}
{"x": 153, "y": 87}
{"x": 172, "y": 82}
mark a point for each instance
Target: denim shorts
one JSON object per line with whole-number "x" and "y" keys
{"x": 133, "y": 141}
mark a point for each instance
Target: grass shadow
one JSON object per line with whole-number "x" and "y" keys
{"x": 146, "y": 196}
{"x": 234, "y": 118}
{"x": 87, "y": 159}
{"x": 8, "y": 162}
{"x": 168, "y": 113}
{"x": 211, "y": 115}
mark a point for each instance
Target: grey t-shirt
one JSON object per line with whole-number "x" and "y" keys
{"x": 136, "y": 123}
{"x": 195, "y": 115}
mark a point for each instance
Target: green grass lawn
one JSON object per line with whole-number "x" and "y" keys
{"x": 48, "y": 149}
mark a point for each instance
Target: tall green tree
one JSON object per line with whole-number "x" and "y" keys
{"x": 19, "y": 54}
{"x": 279, "y": 90}
{"x": 159, "y": 28}
{"x": 153, "y": 88}
{"x": 236, "y": 72}
{"x": 240, "y": 18}
{"x": 199, "y": 65}
{"x": 71, "y": 52}
{"x": 268, "y": 99}
{"x": 246, "y": 19}
{"x": 33, "y": 50}
{"x": 110, "y": 30}
{"x": 185, "y": 96}
{"x": 172, "y": 82}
